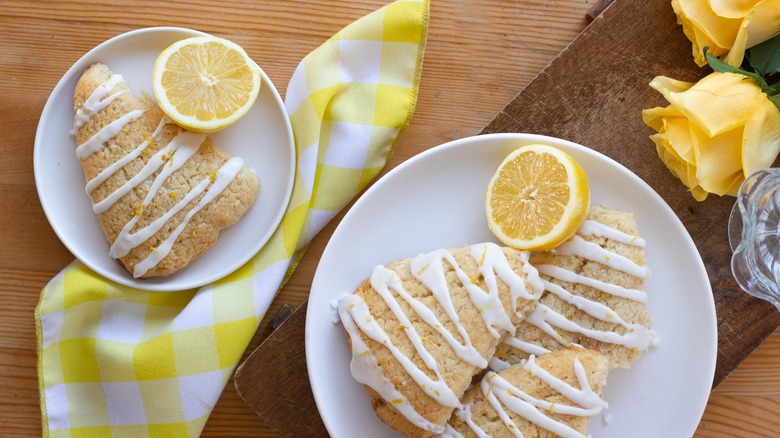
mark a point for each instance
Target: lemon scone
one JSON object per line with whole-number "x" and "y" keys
{"x": 161, "y": 194}
{"x": 594, "y": 295}
{"x": 553, "y": 395}
{"x": 421, "y": 328}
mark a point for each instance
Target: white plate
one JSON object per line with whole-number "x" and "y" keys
{"x": 435, "y": 200}
{"x": 263, "y": 138}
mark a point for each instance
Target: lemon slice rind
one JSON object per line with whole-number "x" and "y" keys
{"x": 575, "y": 207}
{"x": 191, "y": 122}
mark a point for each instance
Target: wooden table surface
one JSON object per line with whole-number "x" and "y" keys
{"x": 480, "y": 54}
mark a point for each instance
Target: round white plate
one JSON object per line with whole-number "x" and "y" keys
{"x": 263, "y": 139}
{"x": 436, "y": 200}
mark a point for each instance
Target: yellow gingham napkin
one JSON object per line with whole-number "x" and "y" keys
{"x": 117, "y": 361}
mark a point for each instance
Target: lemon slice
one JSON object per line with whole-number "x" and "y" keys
{"x": 205, "y": 83}
{"x": 538, "y": 198}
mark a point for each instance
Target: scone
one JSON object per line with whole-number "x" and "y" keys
{"x": 555, "y": 394}
{"x": 161, "y": 194}
{"x": 594, "y": 295}
{"x": 421, "y": 328}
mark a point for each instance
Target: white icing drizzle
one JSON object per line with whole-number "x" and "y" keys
{"x": 365, "y": 368}
{"x": 585, "y": 396}
{"x": 114, "y": 167}
{"x": 382, "y": 279}
{"x": 635, "y": 336}
{"x": 500, "y": 394}
{"x": 548, "y": 319}
{"x": 170, "y": 158}
{"x": 592, "y": 251}
{"x": 224, "y": 176}
{"x": 95, "y": 101}
{"x": 89, "y": 147}
{"x": 428, "y": 269}
{"x": 595, "y": 228}
{"x": 464, "y": 414}
{"x": 610, "y": 288}
{"x": 184, "y": 145}
{"x": 528, "y": 347}
{"x": 498, "y": 365}
{"x": 126, "y": 241}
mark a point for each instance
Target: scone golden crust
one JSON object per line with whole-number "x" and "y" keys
{"x": 594, "y": 294}
{"x": 421, "y": 328}
{"x": 132, "y": 184}
{"x": 555, "y": 394}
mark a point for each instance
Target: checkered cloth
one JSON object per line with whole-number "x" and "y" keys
{"x": 114, "y": 360}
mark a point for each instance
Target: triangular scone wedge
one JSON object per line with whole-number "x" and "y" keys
{"x": 421, "y": 328}
{"x": 555, "y": 394}
{"x": 594, "y": 294}
{"x": 161, "y": 194}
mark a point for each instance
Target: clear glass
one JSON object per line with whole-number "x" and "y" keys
{"x": 754, "y": 236}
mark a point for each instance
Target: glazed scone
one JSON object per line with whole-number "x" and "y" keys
{"x": 161, "y": 194}
{"x": 421, "y": 328}
{"x": 555, "y": 394}
{"x": 594, "y": 294}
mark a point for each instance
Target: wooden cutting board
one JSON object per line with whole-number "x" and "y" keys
{"x": 592, "y": 94}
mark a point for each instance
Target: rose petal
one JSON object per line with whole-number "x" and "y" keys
{"x": 669, "y": 157}
{"x": 664, "y": 84}
{"x": 684, "y": 171}
{"x": 765, "y": 22}
{"x": 737, "y": 52}
{"x": 717, "y": 103}
{"x": 698, "y": 41}
{"x": 732, "y": 8}
{"x": 739, "y": 178}
{"x": 720, "y": 30}
{"x": 678, "y": 135}
{"x": 698, "y": 193}
{"x": 761, "y": 141}
{"x": 717, "y": 159}
{"x": 654, "y": 117}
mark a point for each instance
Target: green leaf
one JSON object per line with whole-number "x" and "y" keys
{"x": 765, "y": 57}
{"x": 772, "y": 90}
{"x": 720, "y": 66}
{"x": 775, "y": 100}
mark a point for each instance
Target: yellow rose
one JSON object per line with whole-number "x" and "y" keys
{"x": 728, "y": 27}
{"x": 715, "y": 132}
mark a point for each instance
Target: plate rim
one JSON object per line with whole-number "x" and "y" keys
{"x": 711, "y": 362}
{"x": 74, "y": 249}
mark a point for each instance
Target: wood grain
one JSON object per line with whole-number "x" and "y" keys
{"x": 276, "y": 390}
{"x": 480, "y": 54}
